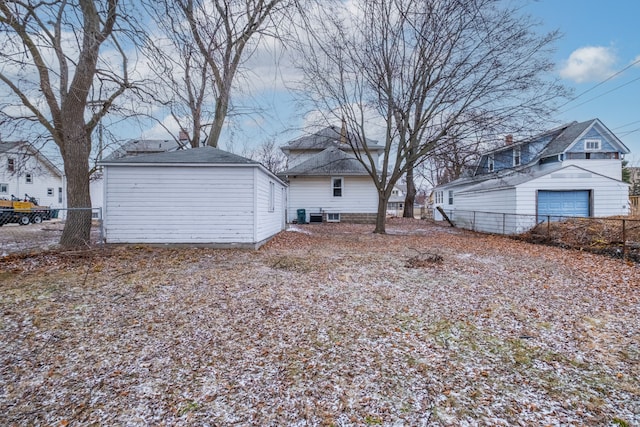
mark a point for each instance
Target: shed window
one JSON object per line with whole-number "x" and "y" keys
{"x": 490, "y": 163}
{"x": 4, "y": 188}
{"x": 450, "y": 197}
{"x": 28, "y": 178}
{"x": 336, "y": 186}
{"x": 272, "y": 197}
{"x": 516, "y": 156}
{"x": 591, "y": 144}
{"x": 11, "y": 165}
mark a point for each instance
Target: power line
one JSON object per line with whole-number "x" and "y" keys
{"x": 601, "y": 95}
{"x": 625, "y": 125}
{"x": 637, "y": 61}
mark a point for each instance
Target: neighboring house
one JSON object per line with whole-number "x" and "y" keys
{"x": 25, "y": 170}
{"x": 327, "y": 181}
{"x": 572, "y": 170}
{"x": 395, "y": 205}
{"x": 196, "y": 196}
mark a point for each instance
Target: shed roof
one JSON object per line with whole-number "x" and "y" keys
{"x": 331, "y": 161}
{"x": 201, "y": 155}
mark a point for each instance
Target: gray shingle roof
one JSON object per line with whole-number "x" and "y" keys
{"x": 202, "y": 155}
{"x": 8, "y": 146}
{"x": 565, "y": 138}
{"x": 325, "y": 138}
{"x": 331, "y": 161}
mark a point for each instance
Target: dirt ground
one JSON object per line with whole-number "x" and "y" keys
{"x": 325, "y": 325}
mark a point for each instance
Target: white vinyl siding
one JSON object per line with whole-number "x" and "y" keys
{"x": 268, "y": 221}
{"x": 314, "y": 194}
{"x": 190, "y": 204}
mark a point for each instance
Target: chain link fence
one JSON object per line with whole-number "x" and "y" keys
{"x": 29, "y": 232}
{"x": 618, "y": 236}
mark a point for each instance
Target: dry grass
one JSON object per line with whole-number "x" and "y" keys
{"x": 327, "y": 325}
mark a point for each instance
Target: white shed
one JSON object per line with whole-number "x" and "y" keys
{"x": 201, "y": 196}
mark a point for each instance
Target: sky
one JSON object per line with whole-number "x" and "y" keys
{"x": 595, "y": 56}
{"x": 600, "y": 40}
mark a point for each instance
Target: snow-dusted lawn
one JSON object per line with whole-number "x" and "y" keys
{"x": 330, "y": 326}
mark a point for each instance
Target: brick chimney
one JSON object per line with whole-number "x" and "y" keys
{"x": 508, "y": 140}
{"x": 343, "y": 132}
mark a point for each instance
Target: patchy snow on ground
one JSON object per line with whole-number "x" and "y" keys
{"x": 329, "y": 326}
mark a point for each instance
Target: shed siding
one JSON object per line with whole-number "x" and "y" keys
{"x": 314, "y": 194}
{"x": 168, "y": 204}
{"x": 482, "y": 211}
{"x": 608, "y": 196}
{"x": 269, "y": 222}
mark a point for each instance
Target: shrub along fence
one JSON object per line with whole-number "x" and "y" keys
{"x": 44, "y": 233}
{"x": 615, "y": 236}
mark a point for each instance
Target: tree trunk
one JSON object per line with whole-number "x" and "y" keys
{"x": 410, "y": 198}
{"x": 76, "y": 148}
{"x": 222, "y": 106}
{"x": 381, "y": 216}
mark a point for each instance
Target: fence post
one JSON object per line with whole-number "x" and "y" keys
{"x": 624, "y": 239}
{"x": 473, "y": 224}
{"x": 504, "y": 219}
{"x": 101, "y": 225}
{"x": 548, "y": 226}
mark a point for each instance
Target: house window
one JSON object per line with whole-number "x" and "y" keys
{"x": 490, "y": 163}
{"x": 49, "y": 192}
{"x": 4, "y": 188}
{"x": 11, "y": 165}
{"x": 591, "y": 144}
{"x": 516, "y": 156}
{"x": 59, "y": 194}
{"x": 333, "y": 217}
{"x": 272, "y": 197}
{"x": 450, "y": 197}
{"x": 28, "y": 178}
{"x": 336, "y": 186}
{"x": 439, "y": 197}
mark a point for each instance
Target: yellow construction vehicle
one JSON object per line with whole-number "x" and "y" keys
{"x": 23, "y": 212}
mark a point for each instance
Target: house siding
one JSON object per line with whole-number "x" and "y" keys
{"x": 178, "y": 204}
{"x": 314, "y": 194}
{"x": 42, "y": 179}
{"x": 268, "y": 222}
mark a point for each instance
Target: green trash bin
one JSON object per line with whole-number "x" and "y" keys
{"x": 302, "y": 216}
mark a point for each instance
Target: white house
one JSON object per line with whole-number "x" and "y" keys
{"x": 326, "y": 181}
{"x": 573, "y": 170}
{"x": 25, "y": 170}
{"x": 198, "y": 196}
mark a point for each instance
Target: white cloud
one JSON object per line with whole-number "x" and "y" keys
{"x": 588, "y": 64}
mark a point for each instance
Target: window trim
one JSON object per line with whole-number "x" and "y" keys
{"x": 597, "y": 144}
{"x": 450, "y": 197}
{"x": 517, "y": 156}
{"x": 335, "y": 179}
{"x": 272, "y": 196}
{"x": 491, "y": 164}
{"x": 335, "y": 215}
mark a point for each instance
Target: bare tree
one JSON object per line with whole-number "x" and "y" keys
{"x": 428, "y": 72}
{"x": 209, "y": 41}
{"x": 51, "y": 63}
{"x": 270, "y": 155}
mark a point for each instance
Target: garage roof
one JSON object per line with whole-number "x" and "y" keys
{"x": 201, "y": 155}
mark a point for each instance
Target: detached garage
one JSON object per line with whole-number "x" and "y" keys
{"x": 201, "y": 196}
